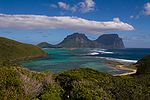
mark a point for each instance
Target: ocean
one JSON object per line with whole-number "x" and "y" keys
{"x": 60, "y": 59}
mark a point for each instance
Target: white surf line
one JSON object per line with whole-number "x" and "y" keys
{"x": 119, "y": 60}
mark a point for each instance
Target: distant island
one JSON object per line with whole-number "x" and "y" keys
{"x": 78, "y": 40}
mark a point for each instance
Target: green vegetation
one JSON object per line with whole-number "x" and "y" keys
{"x": 78, "y": 84}
{"x": 18, "y": 83}
{"x": 143, "y": 65}
{"x": 88, "y": 84}
{"x": 11, "y": 50}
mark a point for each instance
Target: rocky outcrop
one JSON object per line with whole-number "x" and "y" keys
{"x": 110, "y": 41}
{"x": 78, "y": 40}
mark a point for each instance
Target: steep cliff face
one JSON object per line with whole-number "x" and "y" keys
{"x": 110, "y": 41}
{"x": 77, "y": 40}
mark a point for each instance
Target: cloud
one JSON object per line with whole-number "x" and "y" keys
{"x": 84, "y": 7}
{"x": 63, "y": 5}
{"x": 61, "y": 22}
{"x": 87, "y": 5}
{"x": 136, "y": 16}
{"x": 131, "y": 16}
{"x": 117, "y": 20}
{"x": 147, "y": 9}
{"x": 66, "y": 6}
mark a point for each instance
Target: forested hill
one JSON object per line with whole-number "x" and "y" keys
{"x": 13, "y": 50}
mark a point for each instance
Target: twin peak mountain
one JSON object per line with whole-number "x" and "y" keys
{"x": 77, "y": 40}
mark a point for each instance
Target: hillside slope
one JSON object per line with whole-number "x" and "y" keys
{"x": 46, "y": 45}
{"x": 13, "y": 50}
{"x": 143, "y": 65}
{"x": 88, "y": 84}
{"x": 19, "y": 83}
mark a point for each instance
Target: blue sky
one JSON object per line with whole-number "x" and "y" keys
{"x": 135, "y": 13}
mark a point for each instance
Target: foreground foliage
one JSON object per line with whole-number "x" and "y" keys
{"x": 88, "y": 84}
{"x": 78, "y": 84}
{"x": 17, "y": 83}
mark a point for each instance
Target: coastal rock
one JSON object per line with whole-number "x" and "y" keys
{"x": 110, "y": 41}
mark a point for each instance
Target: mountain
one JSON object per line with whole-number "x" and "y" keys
{"x": 78, "y": 40}
{"x": 46, "y": 45}
{"x": 110, "y": 41}
{"x": 13, "y": 50}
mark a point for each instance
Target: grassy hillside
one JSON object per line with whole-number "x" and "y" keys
{"x": 13, "y": 50}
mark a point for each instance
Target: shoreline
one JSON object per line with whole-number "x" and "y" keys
{"x": 122, "y": 66}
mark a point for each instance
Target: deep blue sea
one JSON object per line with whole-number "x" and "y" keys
{"x": 59, "y": 59}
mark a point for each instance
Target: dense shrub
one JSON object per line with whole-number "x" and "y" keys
{"x": 23, "y": 84}
{"x": 143, "y": 65}
{"x": 88, "y": 84}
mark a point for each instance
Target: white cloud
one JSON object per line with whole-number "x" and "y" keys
{"x": 61, "y": 22}
{"x": 136, "y": 16}
{"x": 85, "y": 6}
{"x": 131, "y": 16}
{"x": 117, "y": 20}
{"x": 147, "y": 9}
{"x": 145, "y": 12}
{"x": 63, "y": 5}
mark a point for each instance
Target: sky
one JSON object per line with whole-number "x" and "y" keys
{"x": 35, "y": 21}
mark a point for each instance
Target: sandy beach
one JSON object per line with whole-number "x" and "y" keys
{"x": 132, "y": 71}
{"x": 122, "y": 66}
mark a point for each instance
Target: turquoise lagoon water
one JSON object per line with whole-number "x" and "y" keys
{"x": 59, "y": 59}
